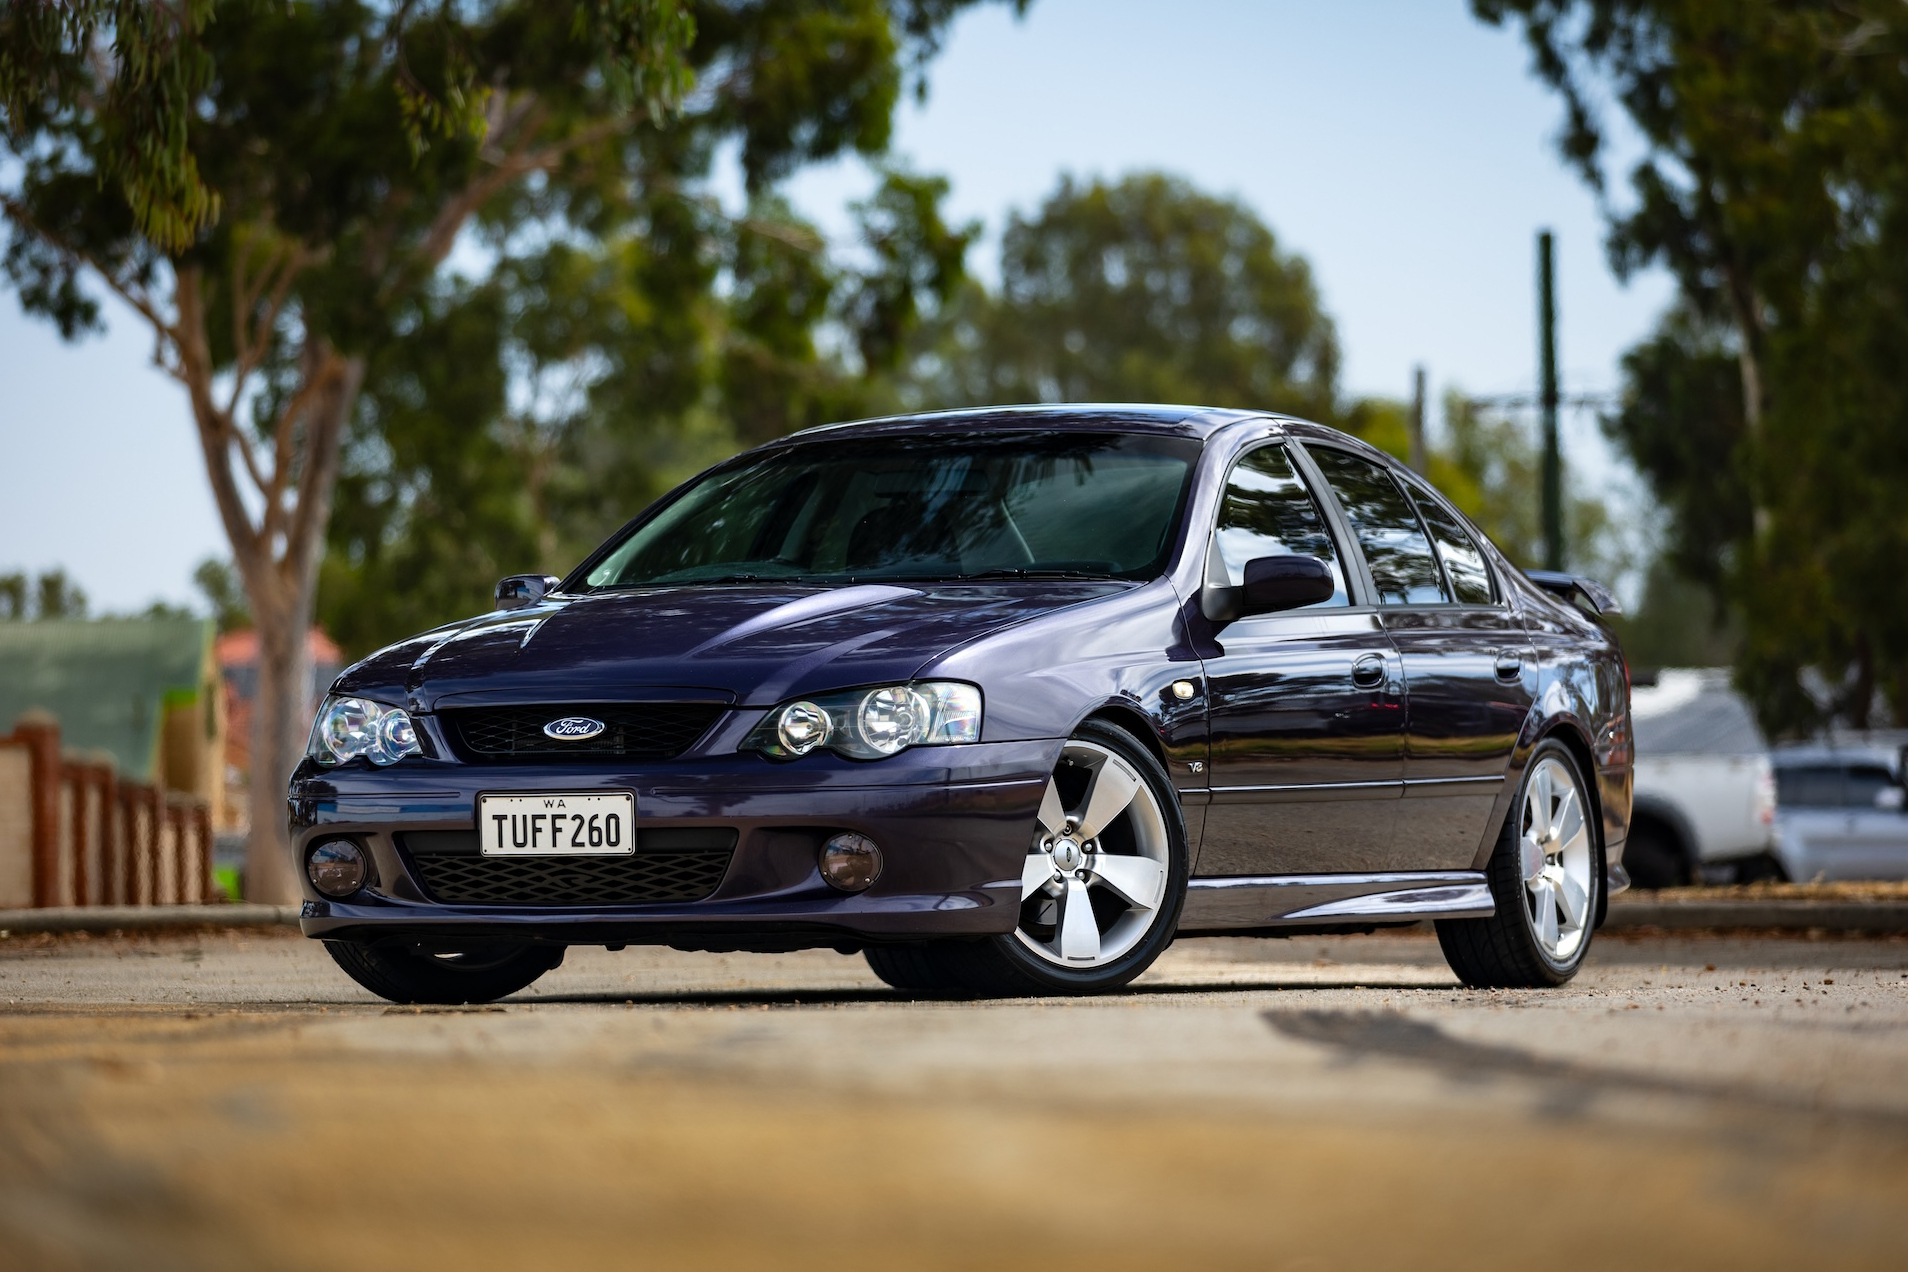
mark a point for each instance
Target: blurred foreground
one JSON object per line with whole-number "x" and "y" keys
{"x": 230, "y": 1100}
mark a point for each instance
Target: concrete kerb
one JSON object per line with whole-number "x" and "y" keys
{"x": 144, "y": 918}
{"x": 1771, "y": 913}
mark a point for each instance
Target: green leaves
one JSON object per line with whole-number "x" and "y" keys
{"x": 1767, "y": 412}
{"x": 1144, "y": 289}
{"x": 132, "y": 71}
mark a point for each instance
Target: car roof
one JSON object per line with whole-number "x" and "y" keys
{"x": 1177, "y": 421}
{"x": 1810, "y": 754}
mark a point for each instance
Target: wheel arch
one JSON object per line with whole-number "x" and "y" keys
{"x": 1129, "y": 719}
{"x": 1570, "y": 734}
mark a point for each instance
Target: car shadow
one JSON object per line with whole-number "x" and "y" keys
{"x": 836, "y": 997}
{"x": 1571, "y": 1086}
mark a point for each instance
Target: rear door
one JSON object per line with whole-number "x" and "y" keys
{"x": 1306, "y": 708}
{"x": 1877, "y": 843}
{"x": 1469, "y": 669}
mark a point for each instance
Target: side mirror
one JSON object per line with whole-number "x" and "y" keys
{"x": 518, "y": 590}
{"x": 1272, "y": 584}
{"x": 1286, "y": 582}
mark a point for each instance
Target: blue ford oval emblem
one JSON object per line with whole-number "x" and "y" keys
{"x": 573, "y": 728}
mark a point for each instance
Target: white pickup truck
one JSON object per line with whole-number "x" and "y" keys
{"x": 1705, "y": 792}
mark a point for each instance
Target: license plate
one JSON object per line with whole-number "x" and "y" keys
{"x": 557, "y": 824}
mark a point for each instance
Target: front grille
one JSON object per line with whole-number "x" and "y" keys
{"x": 632, "y": 731}
{"x": 668, "y": 865}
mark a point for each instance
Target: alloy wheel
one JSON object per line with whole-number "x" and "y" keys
{"x": 1556, "y": 857}
{"x": 1096, "y": 874}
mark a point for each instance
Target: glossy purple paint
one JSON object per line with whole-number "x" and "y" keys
{"x": 1269, "y": 786}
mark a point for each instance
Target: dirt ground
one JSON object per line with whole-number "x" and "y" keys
{"x": 230, "y": 1100}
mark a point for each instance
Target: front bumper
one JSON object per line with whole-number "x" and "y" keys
{"x": 953, "y": 824}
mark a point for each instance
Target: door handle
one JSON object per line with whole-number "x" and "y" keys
{"x": 1369, "y": 672}
{"x": 1510, "y": 665}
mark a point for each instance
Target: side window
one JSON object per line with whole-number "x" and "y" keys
{"x": 1866, "y": 782}
{"x": 1403, "y": 568}
{"x": 1267, "y": 511}
{"x": 1809, "y": 786}
{"x": 1463, "y": 561}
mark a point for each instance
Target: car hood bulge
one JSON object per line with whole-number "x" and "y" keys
{"x": 753, "y": 644}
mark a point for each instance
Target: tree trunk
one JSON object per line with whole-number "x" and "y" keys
{"x": 283, "y": 590}
{"x": 280, "y": 718}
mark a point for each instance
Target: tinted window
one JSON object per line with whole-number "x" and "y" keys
{"x": 1865, "y": 782}
{"x": 1402, "y": 566}
{"x": 1464, "y": 564}
{"x": 1810, "y": 786}
{"x": 1101, "y": 504}
{"x": 1268, "y": 512}
{"x": 1831, "y": 785}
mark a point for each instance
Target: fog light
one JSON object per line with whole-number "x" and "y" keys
{"x": 850, "y": 862}
{"x": 337, "y": 868}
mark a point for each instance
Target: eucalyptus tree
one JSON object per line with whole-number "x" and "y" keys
{"x": 1142, "y": 289}
{"x": 1774, "y": 186}
{"x": 275, "y": 189}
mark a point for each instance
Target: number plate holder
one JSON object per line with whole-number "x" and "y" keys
{"x": 557, "y": 824}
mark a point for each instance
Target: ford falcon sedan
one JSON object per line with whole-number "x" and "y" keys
{"x": 1002, "y": 700}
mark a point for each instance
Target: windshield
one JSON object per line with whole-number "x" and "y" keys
{"x": 1099, "y": 505}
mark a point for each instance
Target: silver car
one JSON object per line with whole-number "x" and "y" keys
{"x": 1841, "y": 812}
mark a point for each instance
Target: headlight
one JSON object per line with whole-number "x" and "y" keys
{"x": 349, "y": 727}
{"x": 866, "y": 724}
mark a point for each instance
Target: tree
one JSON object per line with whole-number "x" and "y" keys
{"x": 1775, "y": 188}
{"x": 534, "y": 410}
{"x": 275, "y": 188}
{"x": 1143, "y": 289}
{"x": 51, "y": 595}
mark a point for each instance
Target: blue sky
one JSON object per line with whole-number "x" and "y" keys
{"x": 1399, "y": 145}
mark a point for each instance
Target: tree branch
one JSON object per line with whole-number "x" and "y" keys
{"x": 510, "y": 166}
{"x": 19, "y": 214}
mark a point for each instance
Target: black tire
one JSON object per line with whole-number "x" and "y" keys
{"x": 919, "y": 967}
{"x": 407, "y": 974}
{"x": 1002, "y": 967}
{"x": 1503, "y": 952}
{"x": 1653, "y": 857}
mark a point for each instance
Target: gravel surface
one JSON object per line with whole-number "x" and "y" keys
{"x": 229, "y": 1099}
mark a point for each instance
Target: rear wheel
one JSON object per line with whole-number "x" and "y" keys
{"x": 1545, "y": 881}
{"x": 412, "y": 974}
{"x": 1101, "y": 887}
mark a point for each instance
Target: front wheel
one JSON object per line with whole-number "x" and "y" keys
{"x": 1545, "y": 881}
{"x": 412, "y": 974}
{"x": 1101, "y": 887}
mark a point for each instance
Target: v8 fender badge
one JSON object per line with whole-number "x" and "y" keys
{"x": 573, "y": 728}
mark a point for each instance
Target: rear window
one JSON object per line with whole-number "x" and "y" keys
{"x": 1831, "y": 785}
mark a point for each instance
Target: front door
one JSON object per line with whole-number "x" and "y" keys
{"x": 1306, "y": 708}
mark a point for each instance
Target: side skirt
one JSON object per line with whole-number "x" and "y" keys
{"x": 1262, "y": 901}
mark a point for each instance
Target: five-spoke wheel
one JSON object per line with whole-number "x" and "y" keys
{"x": 1096, "y": 875}
{"x": 1100, "y": 889}
{"x": 1545, "y": 878}
{"x": 1555, "y": 854}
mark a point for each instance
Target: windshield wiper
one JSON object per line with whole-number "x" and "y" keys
{"x": 1018, "y": 572}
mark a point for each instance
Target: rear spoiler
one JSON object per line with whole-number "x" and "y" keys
{"x": 1584, "y": 593}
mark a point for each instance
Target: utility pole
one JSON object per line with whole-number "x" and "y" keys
{"x": 1418, "y": 459}
{"x": 1547, "y": 361}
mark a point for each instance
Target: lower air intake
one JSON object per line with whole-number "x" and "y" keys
{"x": 667, "y": 867}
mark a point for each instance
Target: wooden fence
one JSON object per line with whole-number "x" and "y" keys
{"x": 73, "y": 833}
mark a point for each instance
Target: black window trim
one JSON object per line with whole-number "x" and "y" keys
{"x": 1418, "y": 489}
{"x": 1364, "y": 569}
